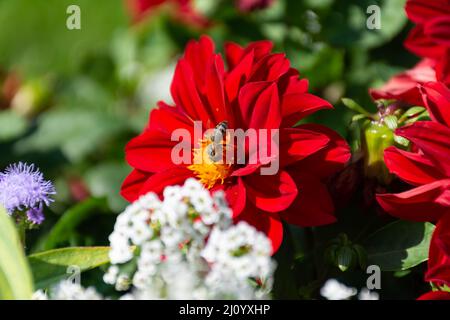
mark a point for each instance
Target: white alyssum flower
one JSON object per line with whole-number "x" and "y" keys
{"x": 188, "y": 248}
{"x": 183, "y": 247}
{"x": 68, "y": 290}
{"x": 334, "y": 290}
{"x": 39, "y": 295}
{"x": 366, "y": 294}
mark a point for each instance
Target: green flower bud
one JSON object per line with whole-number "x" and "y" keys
{"x": 346, "y": 258}
{"x": 376, "y": 138}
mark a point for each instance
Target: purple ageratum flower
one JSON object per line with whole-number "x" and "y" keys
{"x": 23, "y": 187}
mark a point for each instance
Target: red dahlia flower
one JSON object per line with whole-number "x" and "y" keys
{"x": 439, "y": 256}
{"x": 182, "y": 10}
{"x": 405, "y": 86}
{"x": 439, "y": 261}
{"x": 257, "y": 90}
{"x": 429, "y": 167}
{"x": 430, "y": 39}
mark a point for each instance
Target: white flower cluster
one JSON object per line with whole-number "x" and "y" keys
{"x": 68, "y": 290}
{"x": 334, "y": 290}
{"x": 186, "y": 247}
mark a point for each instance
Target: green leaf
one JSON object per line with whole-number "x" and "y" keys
{"x": 15, "y": 276}
{"x": 105, "y": 179}
{"x": 54, "y": 47}
{"x": 62, "y": 230}
{"x": 400, "y": 245}
{"x": 352, "y": 105}
{"x": 391, "y": 122}
{"x": 51, "y": 266}
{"x": 66, "y": 129}
{"x": 12, "y": 125}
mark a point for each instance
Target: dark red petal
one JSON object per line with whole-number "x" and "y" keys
{"x": 438, "y": 29}
{"x": 443, "y": 68}
{"x": 405, "y": 86}
{"x": 290, "y": 83}
{"x": 234, "y": 52}
{"x": 186, "y": 94}
{"x": 270, "y": 68}
{"x": 419, "y": 43}
{"x": 197, "y": 54}
{"x": 413, "y": 168}
{"x": 133, "y": 184}
{"x": 236, "y": 197}
{"x": 237, "y": 77}
{"x": 260, "y": 48}
{"x": 296, "y": 144}
{"x": 433, "y": 139}
{"x": 269, "y": 223}
{"x": 422, "y": 11}
{"x": 436, "y": 97}
{"x": 151, "y": 151}
{"x": 313, "y": 205}
{"x": 296, "y": 106}
{"x": 328, "y": 160}
{"x": 170, "y": 177}
{"x": 259, "y": 104}
{"x": 167, "y": 119}
{"x": 425, "y": 203}
{"x": 439, "y": 255}
{"x": 271, "y": 193}
{"x": 215, "y": 90}
{"x": 435, "y": 295}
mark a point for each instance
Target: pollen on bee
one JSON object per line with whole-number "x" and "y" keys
{"x": 207, "y": 170}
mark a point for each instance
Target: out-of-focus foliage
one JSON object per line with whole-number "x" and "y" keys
{"x": 71, "y": 99}
{"x": 15, "y": 276}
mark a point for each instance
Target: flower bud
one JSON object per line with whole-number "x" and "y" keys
{"x": 346, "y": 258}
{"x": 376, "y": 138}
{"x": 345, "y": 255}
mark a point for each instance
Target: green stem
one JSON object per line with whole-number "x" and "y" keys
{"x": 21, "y": 229}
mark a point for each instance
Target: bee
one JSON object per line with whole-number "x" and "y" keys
{"x": 215, "y": 148}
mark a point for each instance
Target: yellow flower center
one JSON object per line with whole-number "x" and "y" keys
{"x": 208, "y": 169}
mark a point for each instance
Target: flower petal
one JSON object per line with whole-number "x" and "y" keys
{"x": 413, "y": 168}
{"x": 419, "y": 43}
{"x": 297, "y": 106}
{"x": 421, "y": 11}
{"x": 197, "y": 54}
{"x": 425, "y": 203}
{"x": 237, "y": 77}
{"x": 328, "y": 160}
{"x": 296, "y": 144}
{"x": 405, "y": 86}
{"x": 433, "y": 139}
{"x": 439, "y": 255}
{"x": 259, "y": 104}
{"x": 186, "y": 94}
{"x": 170, "y": 177}
{"x": 313, "y": 206}
{"x": 151, "y": 151}
{"x": 270, "y": 68}
{"x": 133, "y": 184}
{"x": 167, "y": 119}
{"x": 436, "y": 97}
{"x": 438, "y": 29}
{"x": 271, "y": 193}
{"x": 236, "y": 197}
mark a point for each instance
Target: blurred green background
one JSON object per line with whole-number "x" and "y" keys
{"x": 71, "y": 99}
